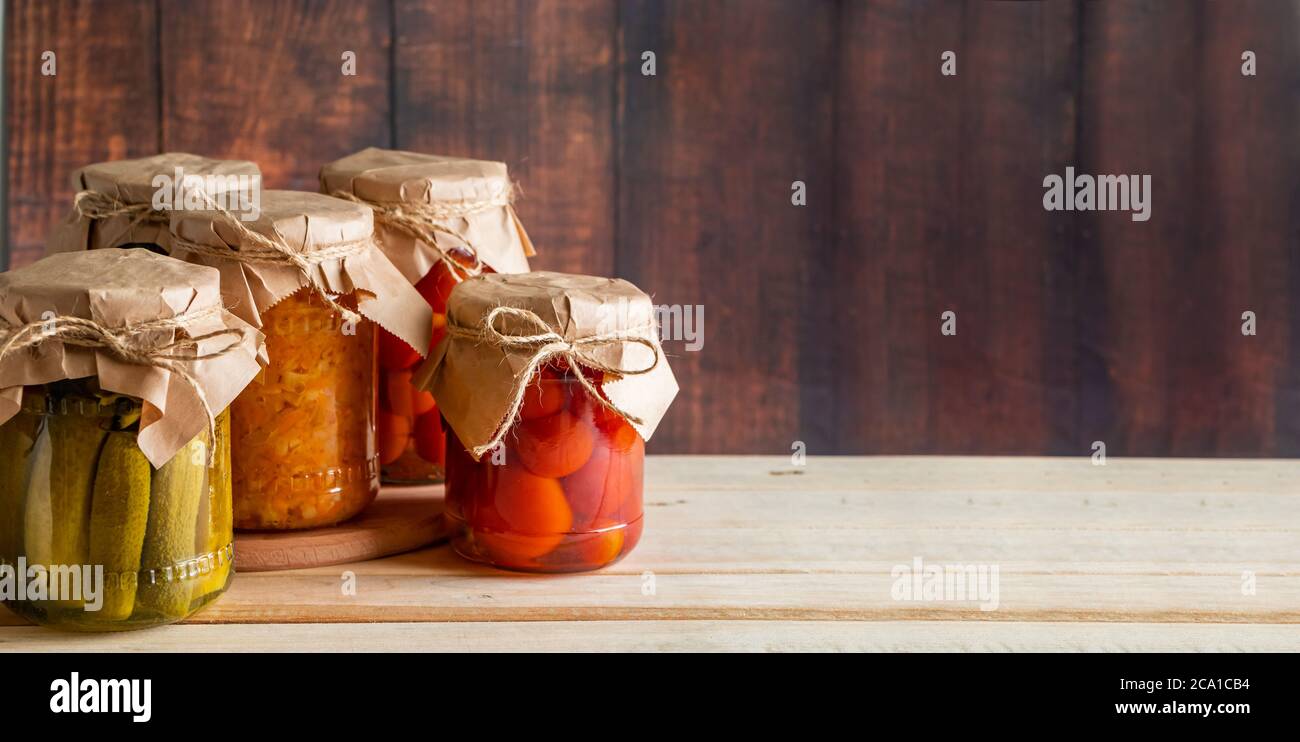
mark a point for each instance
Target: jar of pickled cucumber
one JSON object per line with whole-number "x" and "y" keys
{"x": 115, "y": 494}
{"x": 78, "y": 491}
{"x": 439, "y": 220}
{"x": 306, "y": 271}
{"x": 550, "y": 385}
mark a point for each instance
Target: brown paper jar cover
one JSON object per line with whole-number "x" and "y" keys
{"x": 605, "y": 321}
{"x": 132, "y": 182}
{"x": 385, "y": 176}
{"x": 334, "y": 235}
{"x": 116, "y": 289}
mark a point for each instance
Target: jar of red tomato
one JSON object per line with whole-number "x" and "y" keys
{"x": 440, "y": 220}
{"x": 550, "y": 385}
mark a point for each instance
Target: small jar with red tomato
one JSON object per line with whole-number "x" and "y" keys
{"x": 440, "y": 220}
{"x": 550, "y": 385}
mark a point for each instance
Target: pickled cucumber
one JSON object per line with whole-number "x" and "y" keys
{"x": 17, "y": 437}
{"x": 76, "y": 441}
{"x": 174, "y": 501}
{"x": 118, "y": 518}
{"x": 124, "y": 411}
{"x": 38, "y": 515}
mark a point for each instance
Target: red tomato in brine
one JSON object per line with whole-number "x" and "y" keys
{"x": 520, "y": 516}
{"x": 542, "y": 398}
{"x": 394, "y": 432}
{"x": 607, "y": 490}
{"x": 554, "y": 446}
{"x": 397, "y": 393}
{"x": 436, "y": 286}
{"x": 422, "y": 402}
{"x": 394, "y": 353}
{"x": 429, "y": 439}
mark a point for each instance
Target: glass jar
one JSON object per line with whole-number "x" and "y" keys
{"x": 79, "y": 499}
{"x": 302, "y": 434}
{"x": 412, "y": 447}
{"x": 561, "y": 494}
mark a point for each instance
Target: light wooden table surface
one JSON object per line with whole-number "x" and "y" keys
{"x": 752, "y": 553}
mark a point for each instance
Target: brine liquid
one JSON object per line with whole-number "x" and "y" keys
{"x": 411, "y": 443}
{"x": 562, "y": 494}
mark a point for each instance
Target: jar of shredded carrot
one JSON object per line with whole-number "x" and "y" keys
{"x": 307, "y": 272}
{"x": 303, "y": 433}
{"x": 439, "y": 220}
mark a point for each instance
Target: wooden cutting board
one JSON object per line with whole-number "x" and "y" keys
{"x": 401, "y": 519}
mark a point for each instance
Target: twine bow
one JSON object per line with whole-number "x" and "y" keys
{"x": 421, "y": 221}
{"x": 95, "y": 206}
{"x": 130, "y": 344}
{"x": 256, "y": 248}
{"x": 545, "y": 345}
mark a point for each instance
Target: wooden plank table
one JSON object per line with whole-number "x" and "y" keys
{"x": 752, "y": 553}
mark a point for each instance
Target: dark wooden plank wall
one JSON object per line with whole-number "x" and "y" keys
{"x": 529, "y": 83}
{"x": 938, "y": 187}
{"x": 740, "y": 107}
{"x": 263, "y": 81}
{"x": 102, "y": 104}
{"x": 821, "y": 321}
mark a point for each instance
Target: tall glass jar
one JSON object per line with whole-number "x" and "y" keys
{"x": 563, "y": 492}
{"x": 412, "y": 447}
{"x": 303, "y": 433}
{"x": 100, "y": 539}
{"x": 430, "y": 211}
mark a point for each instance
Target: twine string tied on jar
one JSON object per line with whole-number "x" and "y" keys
{"x": 423, "y": 221}
{"x": 131, "y": 344}
{"x": 256, "y": 247}
{"x": 546, "y": 344}
{"x": 97, "y": 206}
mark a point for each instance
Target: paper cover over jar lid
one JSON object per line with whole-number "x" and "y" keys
{"x": 302, "y": 240}
{"x": 116, "y": 201}
{"x": 143, "y": 324}
{"x": 427, "y": 204}
{"x": 501, "y": 328}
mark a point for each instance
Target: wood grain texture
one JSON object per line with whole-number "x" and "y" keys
{"x": 1253, "y": 162}
{"x": 102, "y": 104}
{"x": 529, "y": 83}
{"x": 263, "y": 81}
{"x": 401, "y": 519}
{"x": 1146, "y": 541}
{"x": 937, "y": 187}
{"x": 924, "y": 192}
{"x": 674, "y": 636}
{"x": 1163, "y": 94}
{"x": 740, "y": 109}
